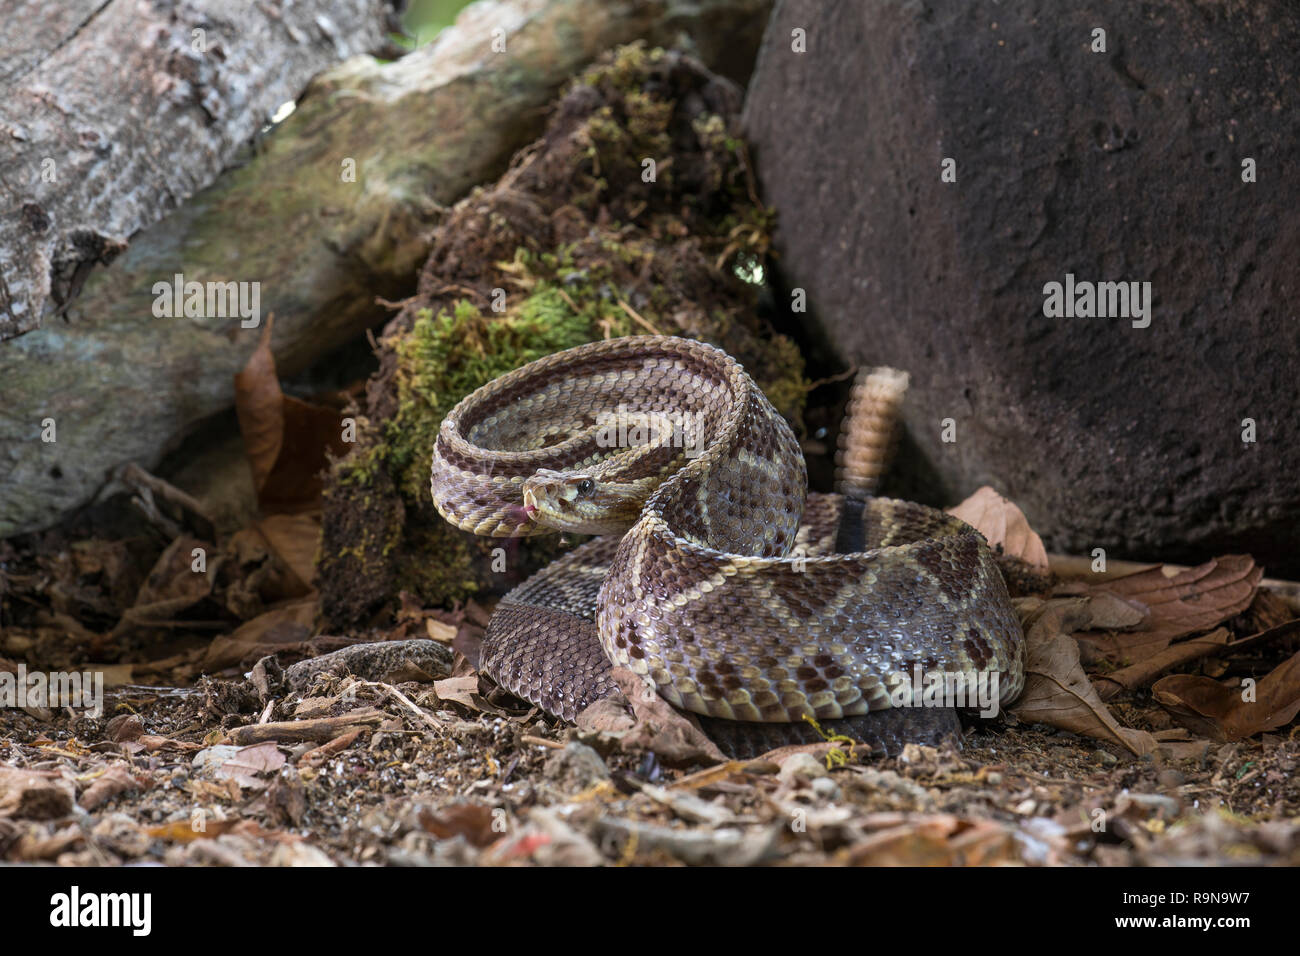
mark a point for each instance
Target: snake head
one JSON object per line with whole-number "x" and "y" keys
{"x": 581, "y": 502}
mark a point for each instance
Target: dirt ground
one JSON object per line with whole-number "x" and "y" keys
{"x": 269, "y": 742}
{"x": 354, "y": 771}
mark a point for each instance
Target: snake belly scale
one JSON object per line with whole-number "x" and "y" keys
{"x": 717, "y": 579}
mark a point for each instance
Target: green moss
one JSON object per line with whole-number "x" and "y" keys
{"x": 661, "y": 256}
{"x": 560, "y": 298}
{"x": 440, "y": 360}
{"x": 787, "y": 389}
{"x": 446, "y": 356}
{"x": 626, "y": 70}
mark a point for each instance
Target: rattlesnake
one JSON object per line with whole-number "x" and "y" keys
{"x": 718, "y": 579}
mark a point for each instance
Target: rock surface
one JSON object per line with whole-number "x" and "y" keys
{"x": 388, "y": 661}
{"x": 1118, "y": 165}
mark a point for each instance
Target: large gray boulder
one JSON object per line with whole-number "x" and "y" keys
{"x": 1125, "y": 165}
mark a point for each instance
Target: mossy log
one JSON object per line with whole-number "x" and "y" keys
{"x": 113, "y": 112}
{"x": 327, "y": 212}
{"x": 579, "y": 240}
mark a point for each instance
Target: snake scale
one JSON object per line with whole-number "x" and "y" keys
{"x": 718, "y": 578}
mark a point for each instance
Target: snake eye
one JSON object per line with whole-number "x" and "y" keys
{"x": 586, "y": 486}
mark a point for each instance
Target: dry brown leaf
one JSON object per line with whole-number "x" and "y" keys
{"x": 1057, "y": 691}
{"x": 285, "y": 438}
{"x": 1219, "y": 711}
{"x": 1003, "y": 523}
{"x": 256, "y": 575}
{"x": 609, "y": 715}
{"x": 1142, "y": 673}
{"x": 264, "y": 634}
{"x": 660, "y": 728}
{"x": 1114, "y": 613}
{"x": 310, "y": 430}
{"x": 458, "y": 690}
{"x": 463, "y": 690}
{"x": 116, "y": 779}
{"x": 173, "y": 585}
{"x": 260, "y": 409}
{"x": 477, "y": 824}
{"x": 152, "y": 743}
{"x": 439, "y": 631}
{"x": 294, "y": 539}
{"x": 249, "y": 763}
{"x": 1190, "y": 602}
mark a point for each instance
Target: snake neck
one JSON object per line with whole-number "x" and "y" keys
{"x": 745, "y": 494}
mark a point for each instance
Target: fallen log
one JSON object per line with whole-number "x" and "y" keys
{"x": 117, "y": 111}
{"x": 329, "y": 211}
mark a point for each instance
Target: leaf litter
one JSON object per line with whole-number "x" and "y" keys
{"x": 1139, "y": 750}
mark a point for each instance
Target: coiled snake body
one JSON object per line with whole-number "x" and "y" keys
{"x": 725, "y": 591}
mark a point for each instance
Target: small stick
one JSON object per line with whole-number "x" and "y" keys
{"x": 405, "y": 702}
{"x": 184, "y": 506}
{"x": 319, "y": 728}
{"x": 325, "y": 751}
{"x": 632, "y": 313}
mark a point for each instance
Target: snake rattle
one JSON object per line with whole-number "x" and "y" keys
{"x": 718, "y": 578}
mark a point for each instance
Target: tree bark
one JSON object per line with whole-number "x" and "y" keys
{"x": 113, "y": 113}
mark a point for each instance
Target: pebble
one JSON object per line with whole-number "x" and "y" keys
{"x": 825, "y": 788}
{"x": 802, "y": 765}
{"x": 576, "y": 767}
{"x": 1169, "y": 779}
{"x": 214, "y": 756}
